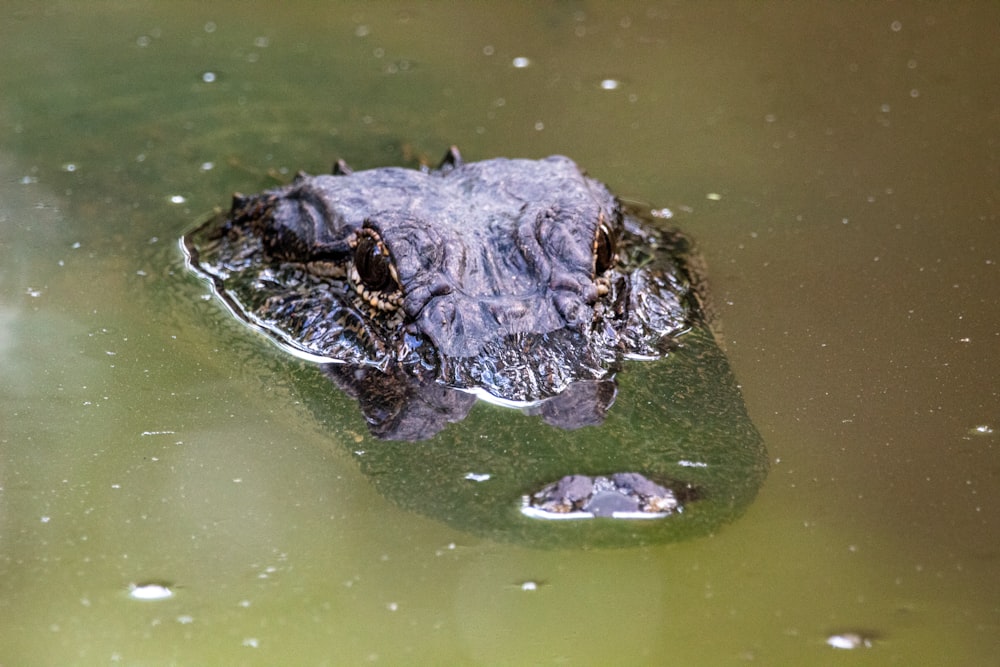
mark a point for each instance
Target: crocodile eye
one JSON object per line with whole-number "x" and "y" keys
{"x": 373, "y": 275}
{"x": 372, "y": 262}
{"x": 604, "y": 249}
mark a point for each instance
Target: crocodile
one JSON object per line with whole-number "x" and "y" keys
{"x": 523, "y": 282}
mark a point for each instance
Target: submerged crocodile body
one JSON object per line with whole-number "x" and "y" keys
{"x": 521, "y": 281}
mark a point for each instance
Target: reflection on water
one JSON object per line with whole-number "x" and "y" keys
{"x": 680, "y": 423}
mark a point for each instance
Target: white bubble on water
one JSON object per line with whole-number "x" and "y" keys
{"x": 149, "y": 592}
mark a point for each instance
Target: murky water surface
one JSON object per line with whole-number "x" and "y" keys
{"x": 169, "y": 496}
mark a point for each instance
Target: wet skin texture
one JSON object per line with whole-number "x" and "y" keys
{"x": 522, "y": 281}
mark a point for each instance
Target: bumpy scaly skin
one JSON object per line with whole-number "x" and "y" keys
{"x": 509, "y": 278}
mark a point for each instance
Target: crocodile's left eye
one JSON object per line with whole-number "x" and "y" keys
{"x": 604, "y": 248}
{"x": 373, "y": 264}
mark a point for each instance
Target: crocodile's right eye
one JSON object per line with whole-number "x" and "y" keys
{"x": 604, "y": 249}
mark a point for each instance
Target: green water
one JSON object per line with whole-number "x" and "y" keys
{"x": 837, "y": 163}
